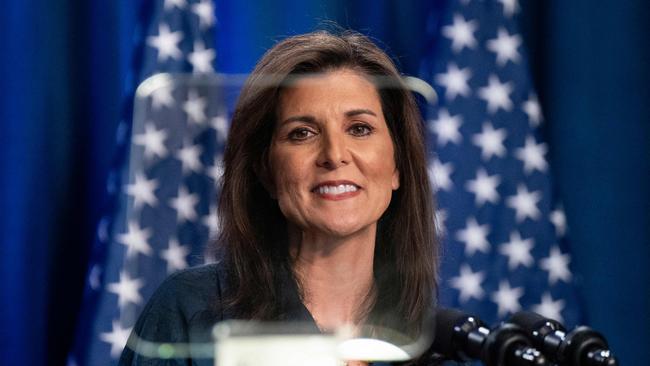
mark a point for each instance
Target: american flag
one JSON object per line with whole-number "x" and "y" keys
{"x": 504, "y": 246}
{"x": 162, "y": 189}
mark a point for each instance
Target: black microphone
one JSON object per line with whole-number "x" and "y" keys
{"x": 581, "y": 347}
{"x": 462, "y": 337}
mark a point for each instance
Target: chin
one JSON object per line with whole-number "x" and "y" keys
{"x": 344, "y": 229}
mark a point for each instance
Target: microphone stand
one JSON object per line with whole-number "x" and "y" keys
{"x": 581, "y": 347}
{"x": 463, "y": 338}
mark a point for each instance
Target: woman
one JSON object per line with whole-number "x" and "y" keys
{"x": 326, "y": 212}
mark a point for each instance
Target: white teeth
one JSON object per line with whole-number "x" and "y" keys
{"x": 341, "y": 188}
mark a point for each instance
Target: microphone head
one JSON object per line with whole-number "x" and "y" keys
{"x": 452, "y": 330}
{"x": 581, "y": 347}
{"x": 530, "y": 321}
{"x": 585, "y": 346}
{"x": 446, "y": 320}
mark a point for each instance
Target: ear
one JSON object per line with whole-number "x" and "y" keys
{"x": 395, "y": 180}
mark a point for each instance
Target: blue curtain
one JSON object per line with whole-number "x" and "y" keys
{"x": 62, "y": 70}
{"x": 593, "y": 73}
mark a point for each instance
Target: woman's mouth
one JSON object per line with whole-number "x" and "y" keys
{"x": 341, "y": 188}
{"x": 336, "y": 190}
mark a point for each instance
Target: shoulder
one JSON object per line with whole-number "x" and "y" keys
{"x": 188, "y": 291}
{"x": 182, "y": 310}
{"x": 196, "y": 283}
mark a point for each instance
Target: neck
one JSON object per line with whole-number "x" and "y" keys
{"x": 336, "y": 276}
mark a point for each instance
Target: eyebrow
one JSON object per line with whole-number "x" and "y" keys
{"x": 356, "y": 112}
{"x": 312, "y": 120}
{"x": 301, "y": 118}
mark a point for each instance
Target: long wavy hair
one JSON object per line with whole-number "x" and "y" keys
{"x": 253, "y": 236}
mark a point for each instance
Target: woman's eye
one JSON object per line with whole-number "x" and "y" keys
{"x": 360, "y": 130}
{"x": 300, "y": 134}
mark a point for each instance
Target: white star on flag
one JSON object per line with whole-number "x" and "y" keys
{"x": 127, "y": 290}
{"x": 505, "y": 47}
{"x": 484, "y": 187}
{"x": 166, "y": 42}
{"x": 439, "y": 175}
{"x": 220, "y": 124}
{"x": 533, "y": 110}
{"x": 461, "y": 33}
{"x": 142, "y": 191}
{"x": 184, "y": 204}
{"x": 211, "y": 221}
{"x": 558, "y": 218}
{"x": 215, "y": 171}
{"x": 152, "y": 140}
{"x": 169, "y": 4}
{"x": 117, "y": 337}
{"x": 201, "y": 58}
{"x": 175, "y": 256}
{"x": 102, "y": 229}
{"x": 455, "y": 81}
{"x": 496, "y": 94}
{"x": 135, "y": 240}
{"x": 468, "y": 283}
{"x": 162, "y": 97}
{"x": 510, "y": 7}
{"x": 518, "y": 251}
{"x": 446, "y": 128}
{"x": 525, "y": 203}
{"x": 205, "y": 11}
{"x": 557, "y": 265}
{"x": 195, "y": 107}
{"x": 474, "y": 236}
{"x": 94, "y": 278}
{"x": 490, "y": 141}
{"x": 532, "y": 155}
{"x": 507, "y": 298}
{"x": 549, "y": 308}
{"x": 189, "y": 155}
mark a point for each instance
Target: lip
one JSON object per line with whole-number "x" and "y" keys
{"x": 336, "y": 197}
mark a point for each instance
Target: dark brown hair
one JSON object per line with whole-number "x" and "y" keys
{"x": 254, "y": 231}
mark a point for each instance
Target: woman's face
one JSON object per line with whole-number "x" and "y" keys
{"x": 332, "y": 156}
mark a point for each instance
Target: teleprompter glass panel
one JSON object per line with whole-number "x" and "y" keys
{"x": 179, "y": 132}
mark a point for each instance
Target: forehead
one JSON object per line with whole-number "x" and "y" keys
{"x": 338, "y": 89}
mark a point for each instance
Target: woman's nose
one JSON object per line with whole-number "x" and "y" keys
{"x": 334, "y": 151}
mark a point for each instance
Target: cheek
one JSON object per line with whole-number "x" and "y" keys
{"x": 287, "y": 174}
{"x": 385, "y": 169}
{"x": 292, "y": 201}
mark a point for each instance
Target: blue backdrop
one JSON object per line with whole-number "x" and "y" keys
{"x": 62, "y": 71}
